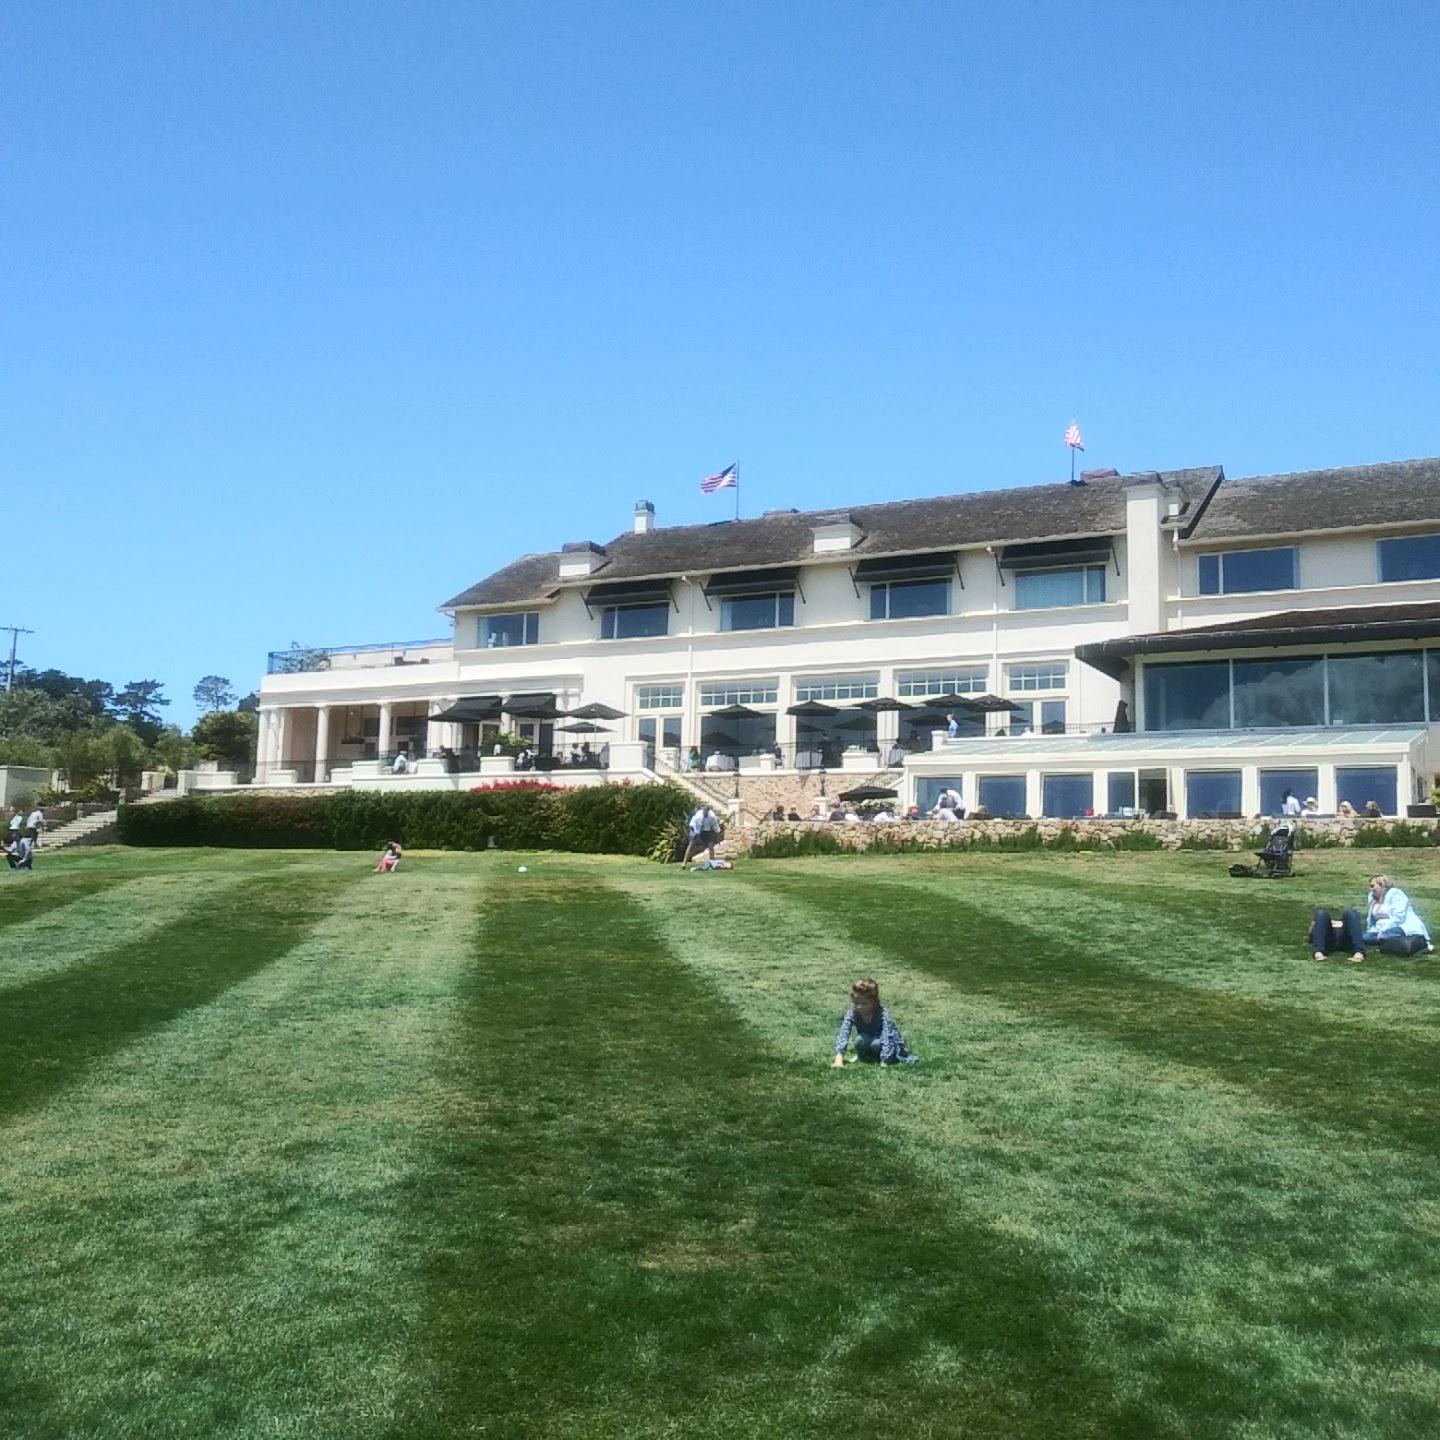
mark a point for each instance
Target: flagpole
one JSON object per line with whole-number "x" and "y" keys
{"x": 1072, "y": 464}
{"x": 737, "y": 492}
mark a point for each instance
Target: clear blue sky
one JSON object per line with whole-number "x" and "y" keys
{"x": 315, "y": 314}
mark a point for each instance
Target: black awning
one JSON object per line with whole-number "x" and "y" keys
{"x": 753, "y": 582}
{"x": 937, "y": 565}
{"x": 1049, "y": 554}
{"x": 471, "y": 708}
{"x": 629, "y": 592}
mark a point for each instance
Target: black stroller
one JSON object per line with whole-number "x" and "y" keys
{"x": 1277, "y": 859}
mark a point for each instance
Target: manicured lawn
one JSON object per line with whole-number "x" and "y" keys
{"x": 295, "y": 1150}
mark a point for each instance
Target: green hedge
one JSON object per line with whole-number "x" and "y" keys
{"x": 603, "y": 819}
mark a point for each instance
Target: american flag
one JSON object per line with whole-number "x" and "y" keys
{"x": 727, "y": 479}
{"x": 1072, "y": 437}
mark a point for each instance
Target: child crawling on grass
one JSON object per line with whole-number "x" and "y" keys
{"x": 391, "y": 858}
{"x": 877, "y": 1036}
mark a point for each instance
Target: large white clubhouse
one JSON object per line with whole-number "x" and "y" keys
{"x": 1265, "y": 634}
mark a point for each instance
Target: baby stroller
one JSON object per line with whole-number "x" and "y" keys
{"x": 1277, "y": 859}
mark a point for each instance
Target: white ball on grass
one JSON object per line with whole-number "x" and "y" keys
{"x": 523, "y": 869}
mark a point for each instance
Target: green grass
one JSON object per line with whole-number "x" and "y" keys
{"x": 293, "y": 1150}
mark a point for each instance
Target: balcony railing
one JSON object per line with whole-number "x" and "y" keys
{"x": 300, "y": 659}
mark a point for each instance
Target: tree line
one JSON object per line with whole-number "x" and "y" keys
{"x": 101, "y": 736}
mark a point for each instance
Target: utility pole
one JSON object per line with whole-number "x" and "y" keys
{"x": 16, "y": 631}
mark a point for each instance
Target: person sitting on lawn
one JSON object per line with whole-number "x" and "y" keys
{"x": 877, "y": 1036}
{"x": 1391, "y": 923}
{"x": 20, "y": 853}
{"x": 391, "y": 858}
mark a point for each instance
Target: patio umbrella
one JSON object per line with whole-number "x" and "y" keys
{"x": 471, "y": 709}
{"x": 734, "y": 712}
{"x": 986, "y": 702}
{"x": 884, "y": 703}
{"x": 596, "y": 710}
{"x": 857, "y": 722}
{"x": 812, "y": 708}
{"x": 869, "y": 792}
{"x": 532, "y": 707}
{"x": 583, "y": 727}
{"x": 947, "y": 702}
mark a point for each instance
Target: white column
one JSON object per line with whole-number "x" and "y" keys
{"x": 436, "y": 735}
{"x": 265, "y": 718}
{"x": 383, "y": 741}
{"x": 322, "y": 742}
{"x": 282, "y": 737}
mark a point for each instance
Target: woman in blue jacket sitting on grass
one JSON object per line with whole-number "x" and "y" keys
{"x": 1391, "y": 923}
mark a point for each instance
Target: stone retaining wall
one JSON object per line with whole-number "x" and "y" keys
{"x": 1238, "y": 835}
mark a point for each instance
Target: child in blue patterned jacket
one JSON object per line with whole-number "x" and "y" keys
{"x": 877, "y": 1036}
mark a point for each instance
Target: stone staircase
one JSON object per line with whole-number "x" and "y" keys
{"x": 96, "y": 829}
{"x": 760, "y": 793}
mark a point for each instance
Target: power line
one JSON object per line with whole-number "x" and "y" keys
{"x": 16, "y": 631}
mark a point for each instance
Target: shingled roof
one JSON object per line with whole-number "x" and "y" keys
{"x": 947, "y": 522}
{"x": 1400, "y": 492}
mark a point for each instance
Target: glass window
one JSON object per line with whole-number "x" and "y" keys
{"x": 667, "y": 726}
{"x": 1302, "y": 784}
{"x": 1412, "y": 557}
{"x": 1188, "y": 697}
{"x": 745, "y": 736}
{"x": 632, "y": 622}
{"x": 1280, "y": 692}
{"x": 1360, "y": 784}
{"x": 1376, "y": 689}
{"x": 838, "y": 687}
{"x": 499, "y": 631}
{"x": 1002, "y": 794}
{"x": 1049, "y": 721}
{"x": 1234, "y": 572}
{"x": 965, "y": 680}
{"x": 1212, "y": 792}
{"x": 659, "y": 697}
{"x": 927, "y": 790}
{"x": 1040, "y": 589}
{"x": 739, "y": 692}
{"x": 1119, "y": 791}
{"x": 757, "y": 612}
{"x": 1432, "y": 668}
{"x": 1047, "y": 675}
{"x": 905, "y": 600}
{"x": 1065, "y": 796}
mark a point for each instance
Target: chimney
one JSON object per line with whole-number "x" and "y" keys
{"x": 580, "y": 557}
{"x": 644, "y": 517}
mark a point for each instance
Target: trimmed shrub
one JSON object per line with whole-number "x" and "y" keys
{"x": 1136, "y": 839}
{"x": 791, "y": 845}
{"x": 608, "y": 819}
{"x": 1400, "y": 835}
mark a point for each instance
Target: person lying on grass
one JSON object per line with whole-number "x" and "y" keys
{"x": 391, "y": 858}
{"x": 877, "y": 1036}
{"x": 1391, "y": 923}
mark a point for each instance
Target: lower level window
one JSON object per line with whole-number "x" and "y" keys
{"x": 1066, "y": 796}
{"x": 1002, "y": 795}
{"x": 1363, "y": 784}
{"x": 927, "y": 791}
{"x": 1276, "y": 784}
{"x": 662, "y": 730}
{"x": 1119, "y": 791}
{"x": 1212, "y": 792}
{"x": 631, "y": 622}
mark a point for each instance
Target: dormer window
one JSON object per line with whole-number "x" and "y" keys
{"x": 904, "y": 587}
{"x": 499, "y": 632}
{"x": 754, "y": 599}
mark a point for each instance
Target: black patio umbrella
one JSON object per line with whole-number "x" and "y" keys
{"x": 884, "y": 703}
{"x": 596, "y": 710}
{"x": 947, "y": 702}
{"x": 532, "y": 707}
{"x": 471, "y": 709}
{"x": 987, "y": 702}
{"x": 734, "y": 712}
{"x": 583, "y": 727}
{"x": 869, "y": 792}
{"x": 857, "y": 722}
{"x": 812, "y": 708}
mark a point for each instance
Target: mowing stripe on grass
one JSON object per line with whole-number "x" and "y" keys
{"x": 24, "y": 899}
{"x": 650, "y": 1227}
{"x": 221, "y": 1203}
{"x": 1296, "y": 1058}
{"x": 55, "y": 1027}
{"x": 1238, "y": 1269}
{"x": 113, "y": 917}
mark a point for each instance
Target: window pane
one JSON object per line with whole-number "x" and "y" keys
{"x": 532, "y": 628}
{"x": 879, "y": 600}
{"x": 1376, "y": 689}
{"x": 739, "y": 692}
{"x": 1360, "y": 784}
{"x": 670, "y": 732}
{"x": 1120, "y": 791}
{"x": 1212, "y": 792}
{"x": 1243, "y": 570}
{"x": 1036, "y": 589}
{"x": 1052, "y": 717}
{"x": 970, "y": 680}
{"x": 737, "y": 737}
{"x": 838, "y": 687}
{"x": 785, "y": 609}
{"x": 1095, "y": 585}
{"x": 748, "y": 612}
{"x": 659, "y": 697}
{"x": 1003, "y": 794}
{"x": 1209, "y": 569}
{"x": 919, "y": 597}
{"x": 1415, "y": 557}
{"x": 927, "y": 791}
{"x": 647, "y": 729}
{"x": 1302, "y": 784}
{"x": 1188, "y": 697}
{"x": 499, "y": 631}
{"x": 1049, "y": 675}
{"x": 1280, "y": 692}
{"x": 1432, "y": 665}
{"x": 1065, "y": 796}
{"x": 629, "y": 622}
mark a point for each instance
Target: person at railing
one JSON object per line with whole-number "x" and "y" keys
{"x": 791, "y": 814}
{"x": 778, "y": 813}
{"x": 692, "y": 759}
{"x": 952, "y": 725}
{"x": 401, "y": 763}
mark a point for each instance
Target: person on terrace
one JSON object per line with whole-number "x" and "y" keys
{"x": 1391, "y": 924}
{"x": 877, "y": 1036}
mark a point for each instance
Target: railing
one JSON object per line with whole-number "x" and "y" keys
{"x": 304, "y": 658}
{"x": 1053, "y": 727}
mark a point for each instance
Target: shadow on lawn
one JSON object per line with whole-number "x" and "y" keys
{"x": 1331, "y": 1070}
{"x": 647, "y": 1224}
{"x": 53, "y": 1029}
{"x": 27, "y": 897}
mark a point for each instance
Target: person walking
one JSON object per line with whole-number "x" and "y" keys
{"x": 34, "y": 824}
{"x": 704, "y": 831}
